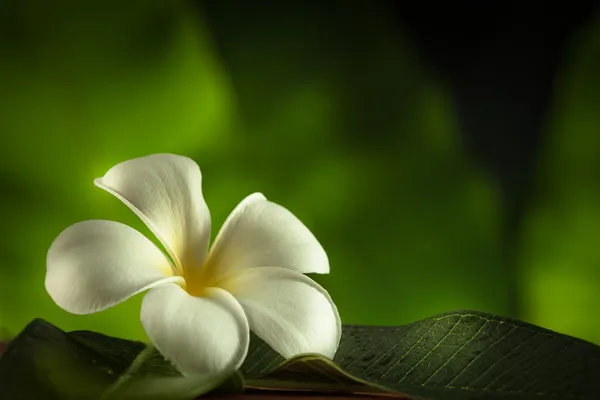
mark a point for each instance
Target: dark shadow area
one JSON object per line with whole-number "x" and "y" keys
{"x": 501, "y": 60}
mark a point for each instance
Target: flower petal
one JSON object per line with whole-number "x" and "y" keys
{"x": 165, "y": 191}
{"x": 260, "y": 233}
{"x": 288, "y": 310}
{"x": 199, "y": 335}
{"x": 96, "y": 264}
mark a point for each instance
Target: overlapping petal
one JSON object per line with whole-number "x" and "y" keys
{"x": 96, "y": 264}
{"x": 252, "y": 277}
{"x": 165, "y": 191}
{"x": 288, "y": 310}
{"x": 199, "y": 335}
{"x": 261, "y": 233}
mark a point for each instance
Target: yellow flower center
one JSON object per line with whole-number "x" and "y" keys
{"x": 197, "y": 279}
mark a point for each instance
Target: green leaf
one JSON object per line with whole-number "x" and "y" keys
{"x": 46, "y": 362}
{"x": 456, "y": 356}
{"x": 150, "y": 376}
{"x": 315, "y": 373}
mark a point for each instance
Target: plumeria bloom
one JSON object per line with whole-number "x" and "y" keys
{"x": 200, "y": 304}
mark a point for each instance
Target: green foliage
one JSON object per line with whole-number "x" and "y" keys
{"x": 559, "y": 258}
{"x": 83, "y": 87}
{"x": 46, "y": 362}
{"x": 341, "y": 123}
{"x": 457, "y": 355}
{"x": 357, "y": 160}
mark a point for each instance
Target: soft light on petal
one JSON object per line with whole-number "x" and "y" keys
{"x": 260, "y": 233}
{"x": 96, "y": 264}
{"x": 288, "y": 310}
{"x": 165, "y": 191}
{"x": 199, "y": 335}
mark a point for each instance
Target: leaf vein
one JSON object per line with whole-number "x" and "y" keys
{"x": 409, "y": 349}
{"x": 449, "y": 384}
{"x": 432, "y": 349}
{"x": 388, "y": 350}
{"x": 502, "y": 358}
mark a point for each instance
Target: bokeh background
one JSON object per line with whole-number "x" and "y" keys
{"x": 446, "y": 156}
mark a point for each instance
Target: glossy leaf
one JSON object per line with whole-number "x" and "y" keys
{"x": 457, "y": 355}
{"x": 46, "y": 362}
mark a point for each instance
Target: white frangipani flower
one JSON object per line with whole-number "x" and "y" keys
{"x": 200, "y": 304}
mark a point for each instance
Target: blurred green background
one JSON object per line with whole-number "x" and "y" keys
{"x": 330, "y": 110}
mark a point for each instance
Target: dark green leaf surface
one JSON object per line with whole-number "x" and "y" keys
{"x": 47, "y": 363}
{"x": 44, "y": 362}
{"x": 457, "y": 355}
